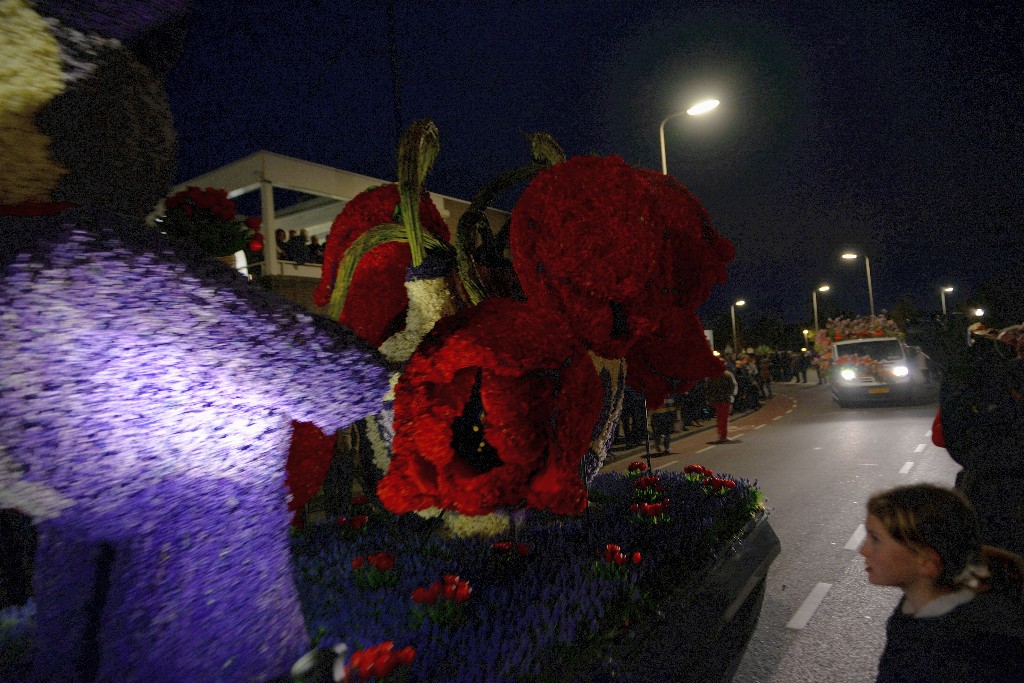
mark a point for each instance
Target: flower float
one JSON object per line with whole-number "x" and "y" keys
{"x": 502, "y": 403}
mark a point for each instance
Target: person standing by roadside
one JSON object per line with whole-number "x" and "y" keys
{"x": 721, "y": 392}
{"x": 663, "y": 420}
{"x": 764, "y": 374}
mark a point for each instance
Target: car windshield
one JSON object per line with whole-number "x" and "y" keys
{"x": 883, "y": 349}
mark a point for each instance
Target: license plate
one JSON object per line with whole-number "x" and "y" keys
{"x": 879, "y": 390}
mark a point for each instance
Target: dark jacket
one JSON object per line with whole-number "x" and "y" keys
{"x": 722, "y": 389}
{"x": 981, "y": 641}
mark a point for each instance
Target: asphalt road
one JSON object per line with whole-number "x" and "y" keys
{"x": 816, "y": 463}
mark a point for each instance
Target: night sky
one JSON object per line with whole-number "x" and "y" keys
{"x": 892, "y": 128}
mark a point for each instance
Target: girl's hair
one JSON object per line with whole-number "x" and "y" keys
{"x": 927, "y": 516}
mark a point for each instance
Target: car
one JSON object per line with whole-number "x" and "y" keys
{"x": 872, "y": 369}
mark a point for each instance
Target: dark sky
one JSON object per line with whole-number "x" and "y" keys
{"x": 895, "y": 128}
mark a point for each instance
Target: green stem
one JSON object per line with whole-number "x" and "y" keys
{"x": 416, "y": 154}
{"x": 374, "y": 237}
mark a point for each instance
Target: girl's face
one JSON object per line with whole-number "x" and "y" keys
{"x": 887, "y": 561}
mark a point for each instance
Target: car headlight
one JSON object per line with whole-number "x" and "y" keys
{"x": 847, "y": 374}
{"x": 900, "y": 370}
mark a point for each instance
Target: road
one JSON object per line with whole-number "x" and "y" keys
{"x": 817, "y": 464}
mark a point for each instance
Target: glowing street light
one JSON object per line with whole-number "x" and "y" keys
{"x": 942, "y": 294}
{"x": 979, "y": 312}
{"x": 735, "y": 344}
{"x": 814, "y": 300}
{"x": 696, "y": 110}
{"x": 849, "y": 256}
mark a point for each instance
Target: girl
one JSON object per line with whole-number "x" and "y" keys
{"x": 962, "y": 613}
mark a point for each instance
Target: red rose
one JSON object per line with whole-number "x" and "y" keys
{"x": 503, "y": 404}
{"x": 376, "y": 301}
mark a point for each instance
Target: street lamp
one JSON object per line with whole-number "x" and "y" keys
{"x": 977, "y": 311}
{"x": 942, "y": 294}
{"x": 696, "y": 110}
{"x": 849, "y": 256}
{"x": 735, "y": 344}
{"x": 814, "y": 300}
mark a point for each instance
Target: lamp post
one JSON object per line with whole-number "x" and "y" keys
{"x": 942, "y": 294}
{"x": 867, "y": 268}
{"x": 696, "y": 110}
{"x": 735, "y": 344}
{"x": 814, "y": 301}
{"x": 806, "y": 343}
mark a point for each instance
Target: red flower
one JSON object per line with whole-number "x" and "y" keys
{"x": 358, "y": 562}
{"x": 503, "y": 404}
{"x": 523, "y": 549}
{"x": 358, "y": 521}
{"x": 698, "y": 469}
{"x": 636, "y": 557}
{"x": 637, "y": 466}
{"x": 382, "y": 561}
{"x": 342, "y": 521}
{"x": 695, "y": 254}
{"x": 501, "y": 547}
{"x": 462, "y": 592}
{"x": 309, "y": 457}
{"x": 360, "y": 500}
{"x": 379, "y": 661}
{"x": 406, "y": 655}
{"x": 672, "y": 358}
{"x": 584, "y": 243}
{"x": 376, "y": 302}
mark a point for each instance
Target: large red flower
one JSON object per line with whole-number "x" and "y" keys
{"x": 309, "y": 458}
{"x": 672, "y": 359}
{"x": 376, "y": 301}
{"x": 495, "y": 408}
{"x": 694, "y": 254}
{"x": 584, "y": 244}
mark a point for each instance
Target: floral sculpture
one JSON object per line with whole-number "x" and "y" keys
{"x": 206, "y": 218}
{"x": 148, "y": 391}
{"x": 501, "y": 403}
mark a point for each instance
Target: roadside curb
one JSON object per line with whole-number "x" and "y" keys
{"x": 771, "y": 408}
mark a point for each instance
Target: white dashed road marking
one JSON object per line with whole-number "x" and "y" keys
{"x": 857, "y": 538}
{"x": 920, "y": 447}
{"x": 906, "y": 467}
{"x": 706, "y": 448}
{"x": 809, "y": 606}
